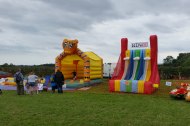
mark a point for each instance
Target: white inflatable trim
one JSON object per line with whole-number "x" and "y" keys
{"x": 147, "y": 58}
{"x": 126, "y": 58}
{"x": 136, "y": 58}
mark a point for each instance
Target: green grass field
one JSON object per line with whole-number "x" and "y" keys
{"x": 94, "y": 107}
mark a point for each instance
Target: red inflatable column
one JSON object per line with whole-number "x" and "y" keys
{"x": 154, "y": 55}
{"x": 124, "y": 47}
{"x": 154, "y": 78}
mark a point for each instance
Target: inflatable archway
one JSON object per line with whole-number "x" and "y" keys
{"x": 87, "y": 65}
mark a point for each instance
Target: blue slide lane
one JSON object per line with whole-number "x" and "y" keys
{"x": 142, "y": 63}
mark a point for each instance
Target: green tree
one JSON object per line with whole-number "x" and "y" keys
{"x": 168, "y": 60}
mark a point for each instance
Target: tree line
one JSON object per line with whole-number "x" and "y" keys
{"x": 171, "y": 68}
{"x": 40, "y": 70}
{"x": 178, "y": 68}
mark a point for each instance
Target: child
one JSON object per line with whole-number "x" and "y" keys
{"x": 74, "y": 75}
{"x": 40, "y": 84}
{"x": 53, "y": 84}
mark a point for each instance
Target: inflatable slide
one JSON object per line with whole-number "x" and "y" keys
{"x": 137, "y": 69}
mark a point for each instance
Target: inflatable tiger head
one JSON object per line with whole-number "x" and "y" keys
{"x": 70, "y": 46}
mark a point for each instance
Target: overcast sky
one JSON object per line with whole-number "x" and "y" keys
{"x": 32, "y": 31}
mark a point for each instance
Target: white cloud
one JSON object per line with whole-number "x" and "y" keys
{"x": 34, "y": 30}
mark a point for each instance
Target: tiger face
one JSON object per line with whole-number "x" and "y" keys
{"x": 70, "y": 46}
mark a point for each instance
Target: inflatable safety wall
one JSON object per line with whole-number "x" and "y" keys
{"x": 137, "y": 69}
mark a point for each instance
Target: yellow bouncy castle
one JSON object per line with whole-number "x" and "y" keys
{"x": 87, "y": 65}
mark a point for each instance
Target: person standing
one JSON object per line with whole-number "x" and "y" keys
{"x": 53, "y": 84}
{"x": 19, "y": 82}
{"x": 32, "y": 81}
{"x": 41, "y": 82}
{"x": 1, "y": 91}
{"x": 74, "y": 75}
{"x": 59, "y": 80}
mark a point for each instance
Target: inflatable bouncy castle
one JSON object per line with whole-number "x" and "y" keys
{"x": 137, "y": 69}
{"x": 87, "y": 65}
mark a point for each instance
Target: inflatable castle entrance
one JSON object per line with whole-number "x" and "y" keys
{"x": 137, "y": 69}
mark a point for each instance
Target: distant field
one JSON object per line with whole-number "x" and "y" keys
{"x": 94, "y": 107}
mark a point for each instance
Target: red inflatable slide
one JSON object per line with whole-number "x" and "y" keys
{"x": 137, "y": 69}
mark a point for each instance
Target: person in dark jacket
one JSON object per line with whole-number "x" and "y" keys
{"x": 59, "y": 79}
{"x": 1, "y": 92}
{"x": 19, "y": 82}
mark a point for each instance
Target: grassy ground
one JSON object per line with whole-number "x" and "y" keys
{"x": 94, "y": 107}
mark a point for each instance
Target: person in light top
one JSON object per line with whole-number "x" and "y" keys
{"x": 32, "y": 81}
